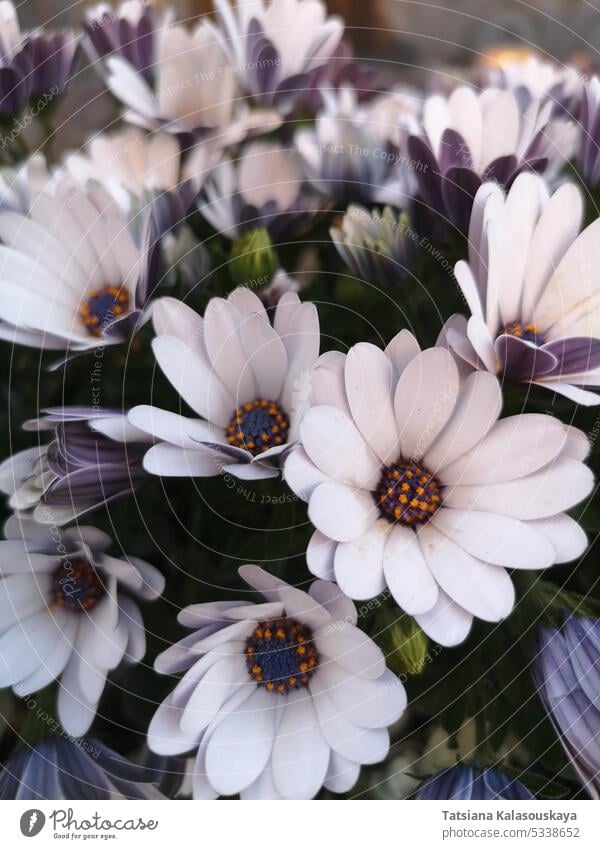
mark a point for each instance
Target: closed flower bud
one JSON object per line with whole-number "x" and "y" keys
{"x": 406, "y": 646}
{"x": 253, "y": 259}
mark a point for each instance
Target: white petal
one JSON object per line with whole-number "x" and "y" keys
{"x": 301, "y": 475}
{"x": 171, "y": 461}
{"x": 447, "y": 623}
{"x": 342, "y": 774}
{"x": 370, "y": 382}
{"x": 300, "y": 753}
{"x": 402, "y": 350}
{"x": 406, "y": 572}
{"x": 365, "y": 702}
{"x": 357, "y": 744}
{"x": 266, "y": 355}
{"x": 226, "y": 352}
{"x": 358, "y": 564}
{"x": 514, "y": 448}
{"x": 425, "y": 397}
{"x": 242, "y": 744}
{"x": 335, "y": 445}
{"x": 341, "y": 514}
{"x": 320, "y": 554}
{"x": 496, "y": 539}
{"x": 345, "y": 644}
{"x": 485, "y": 591}
{"x": 215, "y": 687}
{"x": 567, "y": 538}
{"x": 550, "y": 491}
{"x": 190, "y": 375}
{"x": 477, "y": 408}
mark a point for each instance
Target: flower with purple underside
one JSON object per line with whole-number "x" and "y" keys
{"x": 63, "y": 615}
{"x": 530, "y": 283}
{"x": 72, "y": 274}
{"x": 588, "y": 148}
{"x": 464, "y": 783}
{"x": 243, "y": 376}
{"x": 37, "y": 64}
{"x": 567, "y": 673}
{"x": 280, "y": 698}
{"x": 130, "y": 31}
{"x": 263, "y": 188}
{"x": 536, "y": 79}
{"x": 189, "y": 89}
{"x": 469, "y": 138}
{"x": 94, "y": 458}
{"x": 275, "y": 46}
{"x": 413, "y": 484}
{"x": 60, "y": 768}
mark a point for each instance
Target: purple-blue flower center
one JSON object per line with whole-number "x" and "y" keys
{"x": 257, "y": 426}
{"x": 102, "y": 306}
{"x": 407, "y": 493}
{"x": 281, "y": 655}
{"x": 76, "y": 586}
{"x": 528, "y": 332}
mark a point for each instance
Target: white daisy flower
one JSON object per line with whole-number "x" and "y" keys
{"x": 188, "y": 89}
{"x": 413, "y": 484}
{"x": 531, "y": 287}
{"x": 63, "y": 614}
{"x": 244, "y": 377}
{"x": 71, "y": 273}
{"x": 469, "y": 138}
{"x": 280, "y": 698}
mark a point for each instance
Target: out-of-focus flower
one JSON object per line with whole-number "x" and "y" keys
{"x": 129, "y": 31}
{"x": 140, "y": 169}
{"x": 94, "y": 458}
{"x": 342, "y": 70}
{"x": 281, "y": 698}
{"x": 36, "y": 64}
{"x": 63, "y": 615}
{"x": 243, "y": 376}
{"x": 588, "y": 148}
{"x": 470, "y": 138}
{"x": 377, "y": 246}
{"x": 72, "y": 275}
{"x": 531, "y": 286}
{"x": 414, "y": 484}
{"x": 531, "y": 78}
{"x": 61, "y": 768}
{"x": 274, "y": 46}
{"x": 263, "y": 188}
{"x": 567, "y": 673}
{"x": 19, "y": 186}
{"x": 348, "y": 155}
{"x": 188, "y": 89}
{"x": 465, "y": 783}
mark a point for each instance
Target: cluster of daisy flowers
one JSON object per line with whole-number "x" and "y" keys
{"x": 243, "y": 141}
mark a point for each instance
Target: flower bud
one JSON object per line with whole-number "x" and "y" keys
{"x": 253, "y": 259}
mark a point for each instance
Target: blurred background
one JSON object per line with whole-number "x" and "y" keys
{"x": 431, "y": 41}
{"x": 419, "y": 33}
